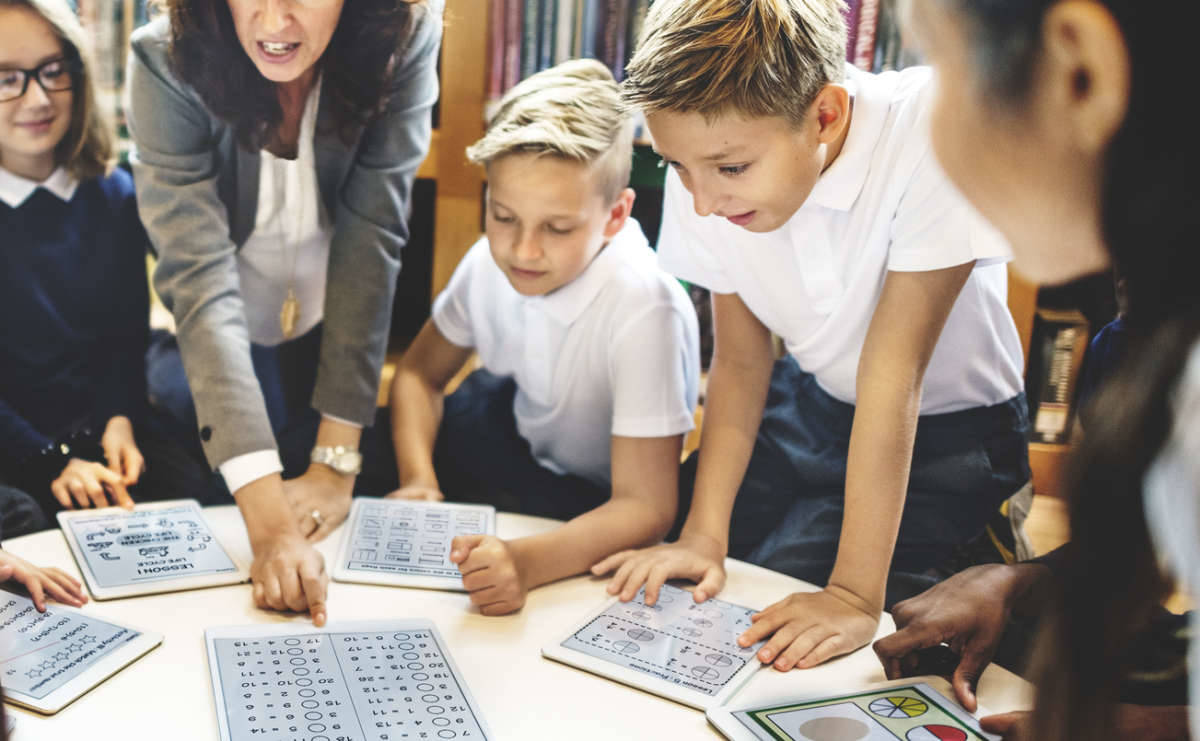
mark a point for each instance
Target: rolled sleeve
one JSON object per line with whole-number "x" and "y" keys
{"x": 936, "y": 227}
{"x": 655, "y": 372}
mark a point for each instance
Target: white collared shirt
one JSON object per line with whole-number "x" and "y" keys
{"x": 15, "y": 190}
{"x": 614, "y": 352}
{"x": 883, "y": 205}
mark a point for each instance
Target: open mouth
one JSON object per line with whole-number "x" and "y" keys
{"x": 277, "y": 48}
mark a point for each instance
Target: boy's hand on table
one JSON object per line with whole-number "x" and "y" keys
{"x": 121, "y": 450}
{"x": 90, "y": 485}
{"x": 289, "y": 574}
{"x": 967, "y": 612}
{"x": 811, "y": 627}
{"x": 42, "y": 581}
{"x": 419, "y": 492}
{"x": 698, "y": 558}
{"x": 490, "y": 572}
{"x": 323, "y": 491}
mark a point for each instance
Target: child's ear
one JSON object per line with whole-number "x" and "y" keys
{"x": 833, "y": 112}
{"x": 619, "y": 213}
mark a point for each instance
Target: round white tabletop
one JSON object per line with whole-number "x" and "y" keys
{"x": 168, "y": 693}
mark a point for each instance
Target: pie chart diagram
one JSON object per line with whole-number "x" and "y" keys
{"x": 900, "y": 707}
{"x": 936, "y": 733}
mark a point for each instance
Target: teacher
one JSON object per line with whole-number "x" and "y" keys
{"x": 276, "y": 145}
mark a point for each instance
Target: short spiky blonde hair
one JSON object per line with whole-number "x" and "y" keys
{"x": 573, "y": 111}
{"x": 86, "y": 150}
{"x": 756, "y": 57}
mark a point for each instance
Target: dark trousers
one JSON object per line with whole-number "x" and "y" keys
{"x": 788, "y": 512}
{"x": 287, "y": 375}
{"x": 479, "y": 456}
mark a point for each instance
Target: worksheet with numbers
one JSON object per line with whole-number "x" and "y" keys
{"x": 380, "y": 680}
{"x": 398, "y": 542}
{"x": 677, "y": 648}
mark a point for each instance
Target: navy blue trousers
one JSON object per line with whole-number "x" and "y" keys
{"x": 788, "y": 512}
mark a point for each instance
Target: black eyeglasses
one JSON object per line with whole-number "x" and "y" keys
{"x": 55, "y": 75}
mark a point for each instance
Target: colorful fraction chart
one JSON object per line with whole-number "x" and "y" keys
{"x": 405, "y": 543}
{"x": 382, "y": 680}
{"x": 157, "y": 547}
{"x": 676, "y": 648}
{"x": 911, "y": 713}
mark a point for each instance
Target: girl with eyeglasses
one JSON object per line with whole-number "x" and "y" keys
{"x": 73, "y": 294}
{"x": 276, "y": 145}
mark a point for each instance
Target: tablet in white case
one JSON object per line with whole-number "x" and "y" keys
{"x": 48, "y": 659}
{"x": 403, "y": 543}
{"x": 681, "y": 650}
{"x": 156, "y": 547}
{"x": 909, "y": 710}
{"x": 371, "y": 680}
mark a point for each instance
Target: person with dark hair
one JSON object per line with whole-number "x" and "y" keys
{"x": 1050, "y": 119}
{"x": 276, "y": 144}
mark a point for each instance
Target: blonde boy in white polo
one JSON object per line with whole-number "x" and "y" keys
{"x": 805, "y": 195}
{"x": 589, "y": 352}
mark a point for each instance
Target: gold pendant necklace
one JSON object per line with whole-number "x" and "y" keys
{"x": 289, "y": 312}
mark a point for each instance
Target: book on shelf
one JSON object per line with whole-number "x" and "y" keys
{"x": 1060, "y": 339}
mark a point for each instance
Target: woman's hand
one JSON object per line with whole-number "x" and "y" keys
{"x": 42, "y": 581}
{"x": 289, "y": 574}
{"x": 89, "y": 484}
{"x": 320, "y": 500}
{"x": 121, "y": 450}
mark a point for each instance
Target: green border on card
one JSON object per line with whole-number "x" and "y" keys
{"x": 774, "y": 731}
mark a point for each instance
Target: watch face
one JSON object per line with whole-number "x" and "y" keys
{"x": 348, "y": 462}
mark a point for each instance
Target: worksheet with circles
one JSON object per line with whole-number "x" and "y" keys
{"x": 915, "y": 709}
{"x": 48, "y": 659}
{"x": 403, "y": 543}
{"x": 155, "y": 547}
{"x": 378, "y": 680}
{"x": 678, "y": 649}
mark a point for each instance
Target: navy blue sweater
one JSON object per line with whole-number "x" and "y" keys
{"x": 74, "y": 312}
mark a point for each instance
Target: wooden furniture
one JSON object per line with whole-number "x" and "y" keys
{"x": 521, "y": 694}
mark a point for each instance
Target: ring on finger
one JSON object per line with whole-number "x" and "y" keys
{"x": 317, "y": 517}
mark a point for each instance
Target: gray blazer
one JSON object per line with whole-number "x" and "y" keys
{"x": 197, "y": 194}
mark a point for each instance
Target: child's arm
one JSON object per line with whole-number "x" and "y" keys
{"x": 813, "y": 627}
{"x": 737, "y": 391}
{"x": 499, "y": 573}
{"x": 40, "y": 582}
{"x": 416, "y": 405}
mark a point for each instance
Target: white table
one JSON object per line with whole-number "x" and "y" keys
{"x": 168, "y": 694}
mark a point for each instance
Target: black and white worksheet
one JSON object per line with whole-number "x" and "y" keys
{"x": 382, "y": 680}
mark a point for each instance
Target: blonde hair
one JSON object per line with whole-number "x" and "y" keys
{"x": 86, "y": 150}
{"x": 756, "y": 57}
{"x": 572, "y": 110}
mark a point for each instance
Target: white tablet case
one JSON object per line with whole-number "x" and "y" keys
{"x": 372, "y": 680}
{"x": 681, "y": 650}
{"x": 404, "y": 543}
{"x": 156, "y": 547}
{"x": 913, "y": 709}
{"x": 49, "y": 659}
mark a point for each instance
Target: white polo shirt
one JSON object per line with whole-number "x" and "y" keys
{"x": 613, "y": 352}
{"x": 883, "y": 205}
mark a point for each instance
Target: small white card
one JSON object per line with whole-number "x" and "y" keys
{"x": 396, "y": 542}
{"x": 913, "y": 709}
{"x": 371, "y": 680}
{"x": 48, "y": 659}
{"x": 678, "y": 649}
{"x": 156, "y": 547}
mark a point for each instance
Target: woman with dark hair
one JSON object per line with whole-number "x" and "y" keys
{"x": 276, "y": 144}
{"x": 1054, "y": 117}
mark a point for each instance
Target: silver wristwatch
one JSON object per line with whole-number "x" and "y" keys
{"x": 346, "y": 461}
